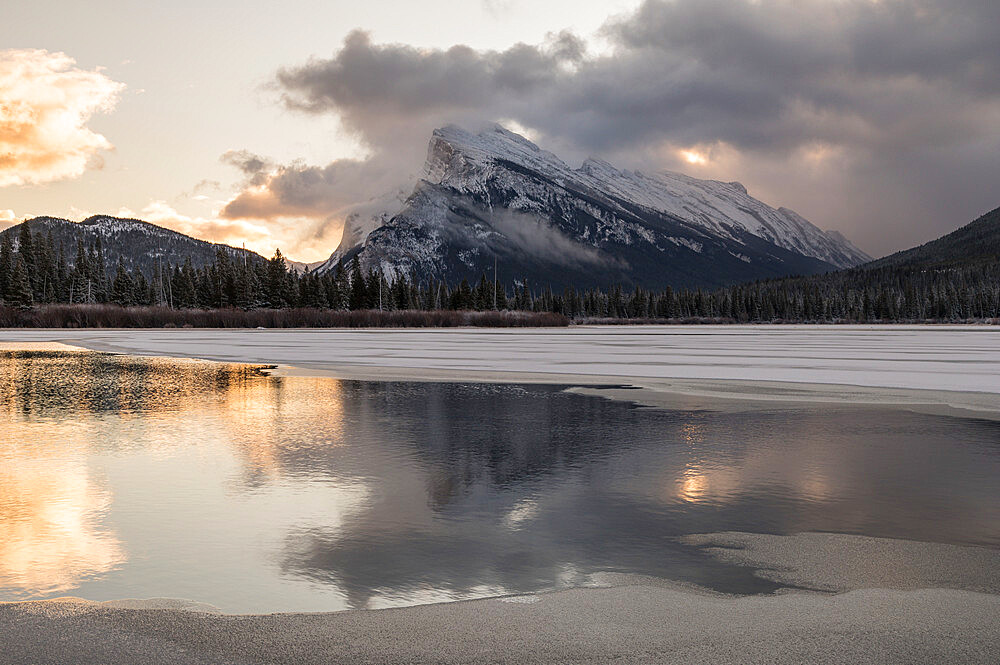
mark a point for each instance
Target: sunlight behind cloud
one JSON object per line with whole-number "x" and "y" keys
{"x": 693, "y": 157}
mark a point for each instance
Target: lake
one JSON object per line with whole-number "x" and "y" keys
{"x": 129, "y": 477}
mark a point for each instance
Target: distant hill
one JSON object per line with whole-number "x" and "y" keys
{"x": 140, "y": 244}
{"x": 955, "y": 277}
{"x": 974, "y": 243}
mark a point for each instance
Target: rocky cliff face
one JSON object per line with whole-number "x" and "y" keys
{"x": 496, "y": 199}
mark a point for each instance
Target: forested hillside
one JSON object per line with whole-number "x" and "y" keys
{"x": 954, "y": 278}
{"x": 139, "y": 245}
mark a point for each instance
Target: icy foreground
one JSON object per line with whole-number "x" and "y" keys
{"x": 939, "y": 358}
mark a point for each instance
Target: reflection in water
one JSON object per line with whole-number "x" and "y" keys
{"x": 150, "y": 477}
{"x": 50, "y": 522}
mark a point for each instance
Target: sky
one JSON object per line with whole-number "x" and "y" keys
{"x": 266, "y": 124}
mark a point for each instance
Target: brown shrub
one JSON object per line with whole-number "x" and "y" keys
{"x": 113, "y": 316}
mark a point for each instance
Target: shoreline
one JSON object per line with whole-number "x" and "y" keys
{"x": 688, "y": 394}
{"x": 623, "y": 625}
{"x": 942, "y": 606}
{"x": 952, "y": 371}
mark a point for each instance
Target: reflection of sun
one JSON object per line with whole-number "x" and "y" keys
{"x": 693, "y": 486}
{"x": 50, "y": 533}
{"x": 815, "y": 487}
{"x": 692, "y": 432}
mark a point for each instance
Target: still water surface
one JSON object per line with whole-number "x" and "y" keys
{"x": 137, "y": 477}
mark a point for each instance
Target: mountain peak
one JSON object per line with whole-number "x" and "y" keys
{"x": 496, "y": 194}
{"x": 597, "y": 167}
{"x": 453, "y": 153}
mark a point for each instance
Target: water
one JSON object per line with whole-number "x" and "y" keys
{"x": 135, "y": 477}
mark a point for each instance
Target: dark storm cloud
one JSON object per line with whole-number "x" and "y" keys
{"x": 385, "y": 92}
{"x": 876, "y": 118}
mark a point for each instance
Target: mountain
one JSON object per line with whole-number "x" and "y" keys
{"x": 976, "y": 242}
{"x": 953, "y": 278}
{"x": 140, "y": 244}
{"x": 495, "y": 198}
{"x": 301, "y": 267}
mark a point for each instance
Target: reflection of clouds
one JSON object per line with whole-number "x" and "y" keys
{"x": 261, "y": 418}
{"x": 57, "y": 406}
{"x": 394, "y": 493}
{"x": 609, "y": 489}
{"x": 51, "y": 513}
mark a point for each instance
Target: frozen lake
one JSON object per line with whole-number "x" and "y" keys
{"x": 950, "y": 358}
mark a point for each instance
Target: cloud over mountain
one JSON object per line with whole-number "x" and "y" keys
{"x": 864, "y": 115}
{"x": 45, "y": 104}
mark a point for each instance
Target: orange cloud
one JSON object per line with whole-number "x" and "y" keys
{"x": 298, "y": 238}
{"x": 45, "y": 105}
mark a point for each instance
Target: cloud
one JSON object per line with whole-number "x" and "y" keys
{"x": 875, "y": 118}
{"x": 538, "y": 238}
{"x": 272, "y": 191}
{"x": 7, "y": 219}
{"x": 374, "y": 87}
{"x": 293, "y": 235}
{"x": 311, "y": 202}
{"x": 45, "y": 105}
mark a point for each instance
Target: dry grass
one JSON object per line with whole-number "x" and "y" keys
{"x": 112, "y": 316}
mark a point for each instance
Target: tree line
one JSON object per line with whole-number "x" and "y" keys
{"x": 33, "y": 270}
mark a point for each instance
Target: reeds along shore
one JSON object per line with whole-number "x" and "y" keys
{"x": 114, "y": 316}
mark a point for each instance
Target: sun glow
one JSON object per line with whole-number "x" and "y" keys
{"x": 693, "y": 157}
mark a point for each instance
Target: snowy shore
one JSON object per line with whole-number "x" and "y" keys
{"x": 933, "y": 367}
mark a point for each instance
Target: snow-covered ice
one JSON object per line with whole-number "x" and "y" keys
{"x": 941, "y": 358}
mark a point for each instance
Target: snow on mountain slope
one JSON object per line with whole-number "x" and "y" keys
{"x": 496, "y": 196}
{"x": 463, "y": 160}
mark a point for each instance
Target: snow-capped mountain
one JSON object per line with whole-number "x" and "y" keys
{"x": 140, "y": 244}
{"x": 497, "y": 198}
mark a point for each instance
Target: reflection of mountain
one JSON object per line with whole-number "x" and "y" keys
{"x": 370, "y": 493}
{"x": 602, "y": 486}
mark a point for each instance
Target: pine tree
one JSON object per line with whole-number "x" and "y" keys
{"x": 359, "y": 290}
{"x": 122, "y": 286}
{"x": 276, "y": 286}
{"x": 7, "y": 261}
{"x": 19, "y": 293}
